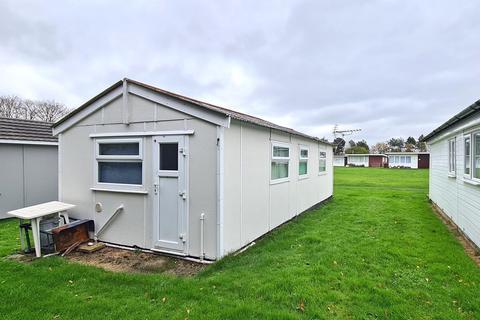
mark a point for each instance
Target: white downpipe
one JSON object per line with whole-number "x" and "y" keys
{"x": 202, "y": 236}
{"x": 220, "y": 191}
{"x": 117, "y": 211}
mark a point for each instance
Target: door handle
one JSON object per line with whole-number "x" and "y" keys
{"x": 183, "y": 194}
{"x": 155, "y": 188}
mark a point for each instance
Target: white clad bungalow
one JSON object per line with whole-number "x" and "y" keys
{"x": 455, "y": 170}
{"x": 185, "y": 177}
{"x": 366, "y": 160}
{"x": 413, "y": 160}
{"x": 339, "y": 160}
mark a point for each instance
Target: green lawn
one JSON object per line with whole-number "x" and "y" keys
{"x": 376, "y": 251}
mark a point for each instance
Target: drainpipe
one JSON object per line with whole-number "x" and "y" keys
{"x": 202, "y": 232}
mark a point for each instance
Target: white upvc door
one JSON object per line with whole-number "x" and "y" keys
{"x": 170, "y": 193}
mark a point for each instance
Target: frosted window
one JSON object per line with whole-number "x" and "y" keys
{"x": 322, "y": 162}
{"x": 120, "y": 172}
{"x": 476, "y": 155}
{"x": 281, "y": 152}
{"x": 279, "y": 170}
{"x": 467, "y": 156}
{"x": 119, "y": 149}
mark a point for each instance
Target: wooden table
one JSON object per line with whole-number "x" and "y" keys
{"x": 36, "y": 213}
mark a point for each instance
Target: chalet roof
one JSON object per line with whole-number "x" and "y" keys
{"x": 26, "y": 130}
{"x": 222, "y": 110}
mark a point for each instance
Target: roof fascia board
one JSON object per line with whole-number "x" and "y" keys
{"x": 185, "y": 107}
{"x": 142, "y": 133}
{"x": 460, "y": 126}
{"x": 29, "y": 142}
{"x": 94, "y": 106}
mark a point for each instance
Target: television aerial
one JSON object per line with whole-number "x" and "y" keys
{"x": 342, "y": 133}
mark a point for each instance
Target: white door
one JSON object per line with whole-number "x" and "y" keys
{"x": 170, "y": 193}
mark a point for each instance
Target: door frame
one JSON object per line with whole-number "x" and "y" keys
{"x": 156, "y": 140}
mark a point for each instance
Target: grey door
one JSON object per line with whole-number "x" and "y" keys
{"x": 11, "y": 178}
{"x": 170, "y": 193}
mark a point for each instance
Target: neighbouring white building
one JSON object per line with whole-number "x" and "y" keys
{"x": 455, "y": 170}
{"x": 339, "y": 161}
{"x": 366, "y": 160}
{"x": 414, "y": 160}
{"x": 188, "y": 177}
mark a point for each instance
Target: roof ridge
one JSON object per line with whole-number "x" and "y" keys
{"x": 230, "y": 112}
{"x": 25, "y": 120}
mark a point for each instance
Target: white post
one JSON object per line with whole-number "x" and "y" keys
{"x": 36, "y": 236}
{"x": 202, "y": 249}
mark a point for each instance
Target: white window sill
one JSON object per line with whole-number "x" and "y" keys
{"x": 472, "y": 182}
{"x": 303, "y": 177}
{"x": 452, "y": 175}
{"x": 322, "y": 173}
{"x": 119, "y": 190}
{"x": 278, "y": 181}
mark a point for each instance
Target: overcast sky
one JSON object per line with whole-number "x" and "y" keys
{"x": 391, "y": 68}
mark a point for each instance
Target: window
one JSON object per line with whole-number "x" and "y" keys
{"x": 476, "y": 155}
{"x": 451, "y": 157}
{"x": 408, "y": 159}
{"x": 119, "y": 161}
{"x": 466, "y": 170}
{"x": 402, "y": 159}
{"x": 322, "y": 162}
{"x": 169, "y": 156}
{"x": 303, "y": 162}
{"x": 280, "y": 161}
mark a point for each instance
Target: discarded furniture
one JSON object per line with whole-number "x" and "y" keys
{"x": 39, "y": 212}
{"x": 71, "y": 234}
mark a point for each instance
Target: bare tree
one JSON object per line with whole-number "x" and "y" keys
{"x": 50, "y": 111}
{"x": 30, "y": 109}
{"x": 10, "y": 107}
{"x": 380, "y": 147}
{"x": 46, "y": 110}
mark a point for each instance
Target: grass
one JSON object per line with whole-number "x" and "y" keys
{"x": 376, "y": 251}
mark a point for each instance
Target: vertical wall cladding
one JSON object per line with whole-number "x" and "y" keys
{"x": 459, "y": 199}
{"x": 41, "y": 174}
{"x": 203, "y": 187}
{"x": 253, "y": 203}
{"x": 255, "y": 170}
{"x": 28, "y": 176}
{"x": 11, "y": 173}
{"x": 233, "y": 188}
{"x": 134, "y": 226}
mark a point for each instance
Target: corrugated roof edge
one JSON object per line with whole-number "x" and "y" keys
{"x": 227, "y": 112}
{"x": 465, "y": 113}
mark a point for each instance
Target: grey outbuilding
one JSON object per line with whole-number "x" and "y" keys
{"x": 28, "y": 164}
{"x": 164, "y": 172}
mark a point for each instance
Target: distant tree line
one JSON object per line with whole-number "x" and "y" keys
{"x": 393, "y": 145}
{"x": 41, "y": 110}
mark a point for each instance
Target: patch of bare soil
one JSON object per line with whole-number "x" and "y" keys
{"x": 469, "y": 247}
{"x": 120, "y": 260}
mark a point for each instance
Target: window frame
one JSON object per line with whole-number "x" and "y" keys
{"x": 118, "y": 158}
{"x": 452, "y": 157}
{"x": 469, "y": 137}
{"x": 472, "y": 156}
{"x": 280, "y": 160}
{"x": 320, "y": 151}
{"x": 303, "y": 159}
